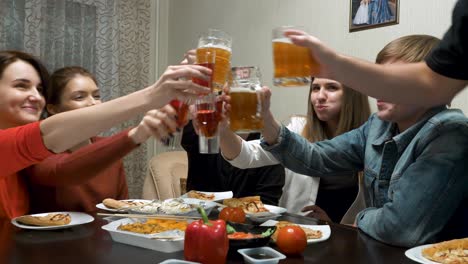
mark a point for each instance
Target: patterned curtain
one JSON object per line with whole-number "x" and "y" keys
{"x": 110, "y": 38}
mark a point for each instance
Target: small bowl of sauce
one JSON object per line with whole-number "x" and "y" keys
{"x": 263, "y": 255}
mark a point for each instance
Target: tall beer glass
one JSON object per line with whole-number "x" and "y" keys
{"x": 246, "y": 115}
{"x": 219, "y": 42}
{"x": 293, "y": 64}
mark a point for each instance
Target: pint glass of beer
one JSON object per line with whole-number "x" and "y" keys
{"x": 207, "y": 118}
{"x": 245, "y": 100}
{"x": 220, "y": 43}
{"x": 293, "y": 64}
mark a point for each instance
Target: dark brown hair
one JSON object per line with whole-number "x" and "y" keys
{"x": 59, "y": 80}
{"x": 8, "y": 57}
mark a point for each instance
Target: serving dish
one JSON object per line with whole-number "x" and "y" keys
{"x": 261, "y": 255}
{"x": 143, "y": 240}
{"x": 235, "y": 244}
{"x": 176, "y": 206}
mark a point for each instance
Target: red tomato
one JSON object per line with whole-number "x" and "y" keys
{"x": 291, "y": 240}
{"x": 232, "y": 214}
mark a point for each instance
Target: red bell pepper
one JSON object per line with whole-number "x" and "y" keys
{"x": 206, "y": 241}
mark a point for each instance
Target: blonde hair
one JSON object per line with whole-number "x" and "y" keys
{"x": 354, "y": 112}
{"x": 412, "y": 48}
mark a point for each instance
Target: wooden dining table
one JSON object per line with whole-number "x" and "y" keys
{"x": 90, "y": 244}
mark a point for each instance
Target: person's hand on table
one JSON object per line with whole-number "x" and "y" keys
{"x": 316, "y": 212}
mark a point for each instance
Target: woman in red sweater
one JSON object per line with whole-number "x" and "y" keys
{"x": 25, "y": 141}
{"x": 91, "y": 171}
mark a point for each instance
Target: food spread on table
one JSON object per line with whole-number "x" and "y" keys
{"x": 448, "y": 252}
{"x": 152, "y": 226}
{"x": 169, "y": 206}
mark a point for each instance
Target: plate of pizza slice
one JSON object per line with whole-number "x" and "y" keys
{"x": 314, "y": 233}
{"x": 255, "y": 209}
{"x": 208, "y": 196}
{"x": 51, "y": 221}
{"x": 452, "y": 251}
{"x": 113, "y": 205}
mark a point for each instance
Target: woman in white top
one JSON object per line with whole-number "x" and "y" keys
{"x": 332, "y": 110}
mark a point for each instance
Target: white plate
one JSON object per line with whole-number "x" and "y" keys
{"x": 274, "y": 212}
{"x": 218, "y": 196}
{"x": 416, "y": 255}
{"x": 141, "y": 240}
{"x": 77, "y": 218}
{"x": 326, "y": 231}
{"x": 103, "y": 207}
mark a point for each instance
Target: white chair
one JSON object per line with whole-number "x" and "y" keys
{"x": 167, "y": 172}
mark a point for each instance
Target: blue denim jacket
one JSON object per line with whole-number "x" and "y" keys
{"x": 414, "y": 181}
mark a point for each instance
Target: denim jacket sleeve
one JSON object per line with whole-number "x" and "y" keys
{"x": 342, "y": 154}
{"x": 425, "y": 196}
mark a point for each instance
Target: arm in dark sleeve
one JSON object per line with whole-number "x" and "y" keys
{"x": 83, "y": 164}
{"x": 270, "y": 183}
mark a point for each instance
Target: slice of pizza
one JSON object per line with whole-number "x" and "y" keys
{"x": 199, "y": 195}
{"x": 250, "y": 204}
{"x": 54, "y": 219}
{"x": 448, "y": 252}
{"x": 121, "y": 204}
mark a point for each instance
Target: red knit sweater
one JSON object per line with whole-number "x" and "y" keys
{"x": 20, "y": 147}
{"x": 79, "y": 180}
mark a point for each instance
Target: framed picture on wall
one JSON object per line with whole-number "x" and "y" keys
{"x": 367, "y": 14}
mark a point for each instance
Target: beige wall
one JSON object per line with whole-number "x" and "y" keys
{"x": 249, "y": 22}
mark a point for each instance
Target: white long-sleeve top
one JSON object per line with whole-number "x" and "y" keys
{"x": 299, "y": 190}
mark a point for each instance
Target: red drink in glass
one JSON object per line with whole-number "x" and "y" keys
{"x": 182, "y": 112}
{"x": 206, "y": 83}
{"x": 207, "y": 122}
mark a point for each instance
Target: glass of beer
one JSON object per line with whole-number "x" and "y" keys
{"x": 219, "y": 42}
{"x": 246, "y": 107}
{"x": 293, "y": 64}
{"x": 207, "y": 118}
